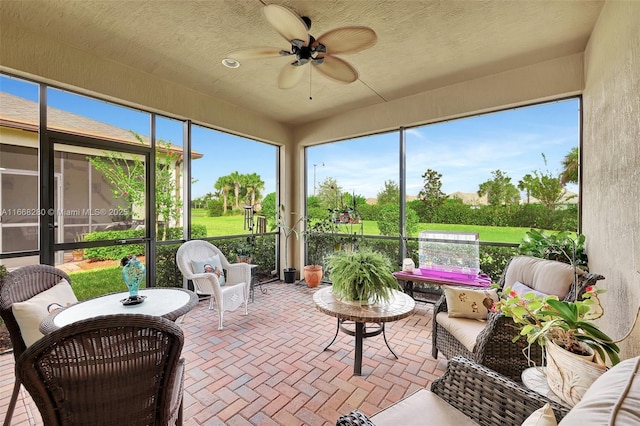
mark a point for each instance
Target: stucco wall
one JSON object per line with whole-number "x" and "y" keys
{"x": 611, "y": 165}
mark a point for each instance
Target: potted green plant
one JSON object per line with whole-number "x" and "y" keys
{"x": 559, "y": 246}
{"x": 288, "y": 231}
{"x": 244, "y": 250}
{"x": 575, "y": 348}
{"x": 364, "y": 276}
{"x": 320, "y": 237}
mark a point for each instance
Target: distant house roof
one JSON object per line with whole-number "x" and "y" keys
{"x": 20, "y": 113}
{"x": 470, "y": 198}
{"x": 568, "y": 198}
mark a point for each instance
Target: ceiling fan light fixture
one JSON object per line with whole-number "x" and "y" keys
{"x": 230, "y": 63}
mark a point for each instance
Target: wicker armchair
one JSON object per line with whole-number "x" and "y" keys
{"x": 228, "y": 297}
{"x": 109, "y": 370}
{"x": 493, "y": 345}
{"x": 479, "y": 393}
{"x": 18, "y": 286}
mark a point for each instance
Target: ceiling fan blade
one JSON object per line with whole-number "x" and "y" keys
{"x": 290, "y": 76}
{"x": 288, "y": 24}
{"x": 255, "y": 53}
{"x": 338, "y": 70}
{"x": 347, "y": 39}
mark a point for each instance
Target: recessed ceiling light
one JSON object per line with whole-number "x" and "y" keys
{"x": 230, "y": 63}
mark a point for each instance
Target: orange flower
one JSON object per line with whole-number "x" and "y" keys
{"x": 513, "y": 293}
{"x": 589, "y": 289}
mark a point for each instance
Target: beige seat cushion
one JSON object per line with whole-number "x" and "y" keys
{"x": 543, "y": 416}
{"x": 546, "y": 276}
{"x": 419, "y": 409}
{"x": 465, "y": 330}
{"x": 613, "y": 399}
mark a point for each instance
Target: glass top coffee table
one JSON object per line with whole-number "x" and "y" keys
{"x": 400, "y": 306}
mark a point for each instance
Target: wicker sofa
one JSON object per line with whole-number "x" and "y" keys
{"x": 490, "y": 342}
{"x": 471, "y": 394}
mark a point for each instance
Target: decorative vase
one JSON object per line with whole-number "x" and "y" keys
{"x": 408, "y": 265}
{"x": 133, "y": 275}
{"x": 313, "y": 275}
{"x": 569, "y": 375}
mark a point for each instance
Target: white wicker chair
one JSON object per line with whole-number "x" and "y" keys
{"x": 228, "y": 297}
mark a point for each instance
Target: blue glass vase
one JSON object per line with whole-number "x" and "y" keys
{"x": 133, "y": 274}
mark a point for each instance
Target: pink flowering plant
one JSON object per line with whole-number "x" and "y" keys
{"x": 568, "y": 324}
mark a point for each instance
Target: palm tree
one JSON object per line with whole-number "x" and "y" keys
{"x": 236, "y": 179}
{"x": 526, "y": 184}
{"x": 223, "y": 186}
{"x": 571, "y": 164}
{"x": 254, "y": 184}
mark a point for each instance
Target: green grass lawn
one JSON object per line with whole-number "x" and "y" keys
{"x": 233, "y": 225}
{"x": 94, "y": 282}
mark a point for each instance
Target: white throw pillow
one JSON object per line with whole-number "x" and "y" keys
{"x": 522, "y": 289}
{"x": 543, "y": 416}
{"x": 30, "y": 313}
{"x": 211, "y": 265}
{"x": 469, "y": 303}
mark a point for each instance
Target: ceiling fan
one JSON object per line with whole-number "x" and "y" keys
{"x": 307, "y": 49}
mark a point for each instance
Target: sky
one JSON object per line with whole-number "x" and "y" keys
{"x": 464, "y": 151}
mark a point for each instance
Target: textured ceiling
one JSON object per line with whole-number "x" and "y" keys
{"x": 421, "y": 45}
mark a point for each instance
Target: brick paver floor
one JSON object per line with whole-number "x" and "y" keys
{"x": 268, "y": 368}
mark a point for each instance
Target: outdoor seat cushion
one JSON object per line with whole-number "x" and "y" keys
{"x": 546, "y": 276}
{"x": 613, "y": 399}
{"x": 465, "y": 330}
{"x": 421, "y": 408}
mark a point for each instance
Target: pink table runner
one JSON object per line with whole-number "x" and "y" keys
{"x": 444, "y": 277}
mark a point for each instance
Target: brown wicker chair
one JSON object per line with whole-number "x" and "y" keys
{"x": 108, "y": 370}
{"x": 480, "y": 394}
{"x": 494, "y": 347}
{"x": 18, "y": 286}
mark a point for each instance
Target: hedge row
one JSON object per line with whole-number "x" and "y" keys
{"x": 120, "y": 251}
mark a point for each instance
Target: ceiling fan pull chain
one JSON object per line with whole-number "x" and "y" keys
{"x": 310, "y": 71}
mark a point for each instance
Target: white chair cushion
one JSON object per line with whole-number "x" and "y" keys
{"x": 613, "y": 399}
{"x": 421, "y": 408}
{"x": 546, "y": 276}
{"x": 30, "y": 313}
{"x": 465, "y": 330}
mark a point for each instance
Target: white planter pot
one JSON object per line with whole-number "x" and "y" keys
{"x": 569, "y": 375}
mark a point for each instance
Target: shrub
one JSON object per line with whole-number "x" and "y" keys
{"x": 120, "y": 251}
{"x": 214, "y": 208}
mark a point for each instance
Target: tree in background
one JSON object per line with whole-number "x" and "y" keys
{"x": 237, "y": 181}
{"x": 389, "y": 220}
{"x": 253, "y": 186}
{"x": 431, "y": 193}
{"x": 546, "y": 187}
{"x": 390, "y": 194}
{"x": 168, "y": 199}
{"x": 125, "y": 173}
{"x": 499, "y": 190}
{"x": 571, "y": 164}
{"x": 330, "y": 194}
{"x": 223, "y": 186}
{"x": 526, "y": 184}
{"x": 269, "y": 209}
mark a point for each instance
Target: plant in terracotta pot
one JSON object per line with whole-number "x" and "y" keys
{"x": 363, "y": 276}
{"x": 576, "y": 349}
{"x": 320, "y": 238}
{"x": 244, "y": 250}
